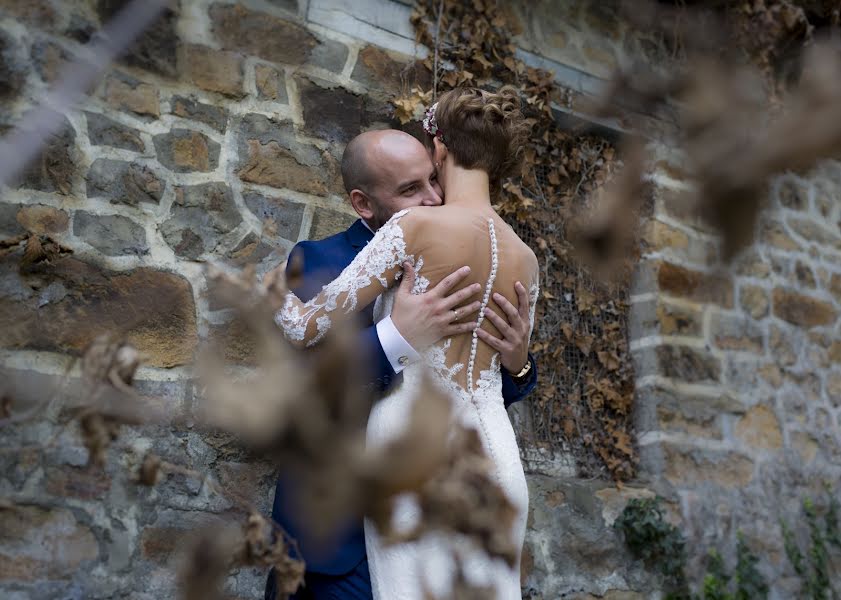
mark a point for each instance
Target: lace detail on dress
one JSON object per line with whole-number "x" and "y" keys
{"x": 534, "y": 292}
{"x": 489, "y": 384}
{"x": 386, "y": 251}
{"x": 435, "y": 357}
{"x": 421, "y": 282}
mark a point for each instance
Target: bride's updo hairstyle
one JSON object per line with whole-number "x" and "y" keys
{"x": 482, "y": 130}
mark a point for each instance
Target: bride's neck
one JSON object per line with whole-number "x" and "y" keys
{"x": 466, "y": 187}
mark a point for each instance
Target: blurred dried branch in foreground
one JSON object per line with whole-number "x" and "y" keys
{"x": 100, "y": 402}
{"x": 606, "y": 233}
{"x": 736, "y": 144}
{"x": 108, "y": 367}
{"x": 462, "y": 589}
{"x": 9, "y": 245}
{"x": 735, "y": 141}
{"x": 463, "y": 498}
{"x": 41, "y": 249}
{"x": 307, "y": 412}
{"x": 214, "y": 552}
{"x": 103, "y": 401}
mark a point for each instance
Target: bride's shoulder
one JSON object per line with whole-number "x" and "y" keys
{"x": 403, "y": 218}
{"x": 411, "y": 224}
{"x": 414, "y": 217}
{"x": 528, "y": 257}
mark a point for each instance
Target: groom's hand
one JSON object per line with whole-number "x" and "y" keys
{"x": 513, "y": 347}
{"x": 423, "y": 319}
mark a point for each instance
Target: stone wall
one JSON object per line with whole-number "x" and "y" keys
{"x": 218, "y": 137}
{"x": 738, "y": 366}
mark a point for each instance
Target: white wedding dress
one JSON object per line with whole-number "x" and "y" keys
{"x": 462, "y": 365}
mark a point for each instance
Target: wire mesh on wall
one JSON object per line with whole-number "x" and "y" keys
{"x": 576, "y": 409}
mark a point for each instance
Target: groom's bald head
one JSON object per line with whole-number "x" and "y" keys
{"x": 385, "y": 171}
{"x": 359, "y": 161}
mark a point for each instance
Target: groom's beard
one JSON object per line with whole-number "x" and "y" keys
{"x": 378, "y": 222}
{"x": 380, "y": 217}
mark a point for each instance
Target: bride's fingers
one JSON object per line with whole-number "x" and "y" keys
{"x": 408, "y": 282}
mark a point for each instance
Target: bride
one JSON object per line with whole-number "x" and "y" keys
{"x": 476, "y": 140}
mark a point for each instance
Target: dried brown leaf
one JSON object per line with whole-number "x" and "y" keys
{"x": 34, "y": 251}
{"x": 150, "y": 470}
{"x": 10, "y": 245}
{"x": 208, "y": 559}
{"x": 465, "y": 498}
{"x": 266, "y": 547}
{"x": 109, "y": 359}
{"x": 97, "y": 434}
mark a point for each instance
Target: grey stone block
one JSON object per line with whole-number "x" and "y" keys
{"x": 200, "y": 216}
{"x": 110, "y": 234}
{"x": 281, "y": 218}
{"x": 183, "y": 150}
{"x": 124, "y": 183}
{"x": 103, "y": 131}
{"x": 210, "y": 115}
{"x": 9, "y": 225}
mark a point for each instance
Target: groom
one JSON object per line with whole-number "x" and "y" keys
{"x": 384, "y": 172}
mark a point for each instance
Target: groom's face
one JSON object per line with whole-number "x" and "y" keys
{"x": 405, "y": 178}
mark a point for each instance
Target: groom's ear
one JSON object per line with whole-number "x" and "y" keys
{"x": 361, "y": 204}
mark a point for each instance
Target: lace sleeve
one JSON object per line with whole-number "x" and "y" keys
{"x": 374, "y": 269}
{"x": 534, "y": 293}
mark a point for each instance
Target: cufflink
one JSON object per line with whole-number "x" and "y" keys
{"x": 403, "y": 361}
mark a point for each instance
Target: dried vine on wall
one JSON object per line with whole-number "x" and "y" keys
{"x": 585, "y": 387}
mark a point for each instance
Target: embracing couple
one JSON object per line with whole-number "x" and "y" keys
{"x": 463, "y": 312}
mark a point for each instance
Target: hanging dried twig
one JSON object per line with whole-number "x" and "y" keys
{"x": 435, "y": 61}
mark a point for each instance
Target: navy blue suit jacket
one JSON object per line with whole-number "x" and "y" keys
{"x": 322, "y": 262}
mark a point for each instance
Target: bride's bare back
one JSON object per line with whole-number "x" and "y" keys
{"x": 437, "y": 241}
{"x": 446, "y": 238}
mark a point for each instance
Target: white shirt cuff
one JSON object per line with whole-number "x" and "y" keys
{"x": 397, "y": 350}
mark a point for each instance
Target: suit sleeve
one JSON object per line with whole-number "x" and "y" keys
{"x": 381, "y": 375}
{"x": 512, "y": 391}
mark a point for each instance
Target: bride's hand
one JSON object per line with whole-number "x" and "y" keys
{"x": 513, "y": 347}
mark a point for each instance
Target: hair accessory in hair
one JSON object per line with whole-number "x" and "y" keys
{"x": 430, "y": 125}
